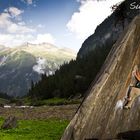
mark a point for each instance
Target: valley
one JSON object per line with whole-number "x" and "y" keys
{"x": 45, "y": 122}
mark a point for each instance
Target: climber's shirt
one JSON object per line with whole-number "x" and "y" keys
{"x": 137, "y": 75}
{"x": 138, "y": 84}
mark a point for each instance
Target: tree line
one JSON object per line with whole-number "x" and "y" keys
{"x": 73, "y": 78}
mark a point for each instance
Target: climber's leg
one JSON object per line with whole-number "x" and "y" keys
{"x": 127, "y": 97}
{"x": 134, "y": 93}
{"x": 133, "y": 81}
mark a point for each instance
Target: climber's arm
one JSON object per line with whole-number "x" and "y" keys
{"x": 137, "y": 75}
{"x": 128, "y": 99}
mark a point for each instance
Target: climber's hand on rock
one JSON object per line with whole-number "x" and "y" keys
{"x": 129, "y": 99}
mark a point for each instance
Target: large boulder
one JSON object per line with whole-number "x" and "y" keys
{"x": 101, "y": 115}
{"x": 10, "y": 122}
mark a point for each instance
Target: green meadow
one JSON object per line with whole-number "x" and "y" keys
{"x": 50, "y": 129}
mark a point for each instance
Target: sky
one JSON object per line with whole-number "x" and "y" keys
{"x": 64, "y": 23}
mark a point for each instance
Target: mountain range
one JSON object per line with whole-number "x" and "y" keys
{"x": 23, "y": 64}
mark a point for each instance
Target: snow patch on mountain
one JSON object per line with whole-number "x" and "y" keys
{"x": 3, "y": 60}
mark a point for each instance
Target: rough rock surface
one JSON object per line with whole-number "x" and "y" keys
{"x": 101, "y": 114}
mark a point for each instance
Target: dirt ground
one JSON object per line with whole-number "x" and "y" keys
{"x": 39, "y": 113}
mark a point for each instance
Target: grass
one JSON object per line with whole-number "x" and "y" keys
{"x": 51, "y": 129}
{"x": 3, "y": 101}
{"x": 56, "y": 101}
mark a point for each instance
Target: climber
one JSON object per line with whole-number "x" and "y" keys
{"x": 134, "y": 88}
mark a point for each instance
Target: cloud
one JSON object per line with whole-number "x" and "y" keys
{"x": 29, "y": 1}
{"x": 9, "y": 22}
{"x": 83, "y": 1}
{"x": 15, "y": 11}
{"x": 4, "y": 20}
{"x": 15, "y": 32}
{"x": 84, "y": 22}
{"x": 40, "y": 66}
{"x": 12, "y": 40}
{"x": 40, "y": 26}
{"x": 19, "y": 28}
{"x": 44, "y": 38}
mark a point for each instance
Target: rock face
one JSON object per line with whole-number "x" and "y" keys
{"x": 101, "y": 115}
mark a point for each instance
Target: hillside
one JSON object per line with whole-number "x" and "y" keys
{"x": 110, "y": 29}
{"x": 101, "y": 115}
{"x": 23, "y": 64}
